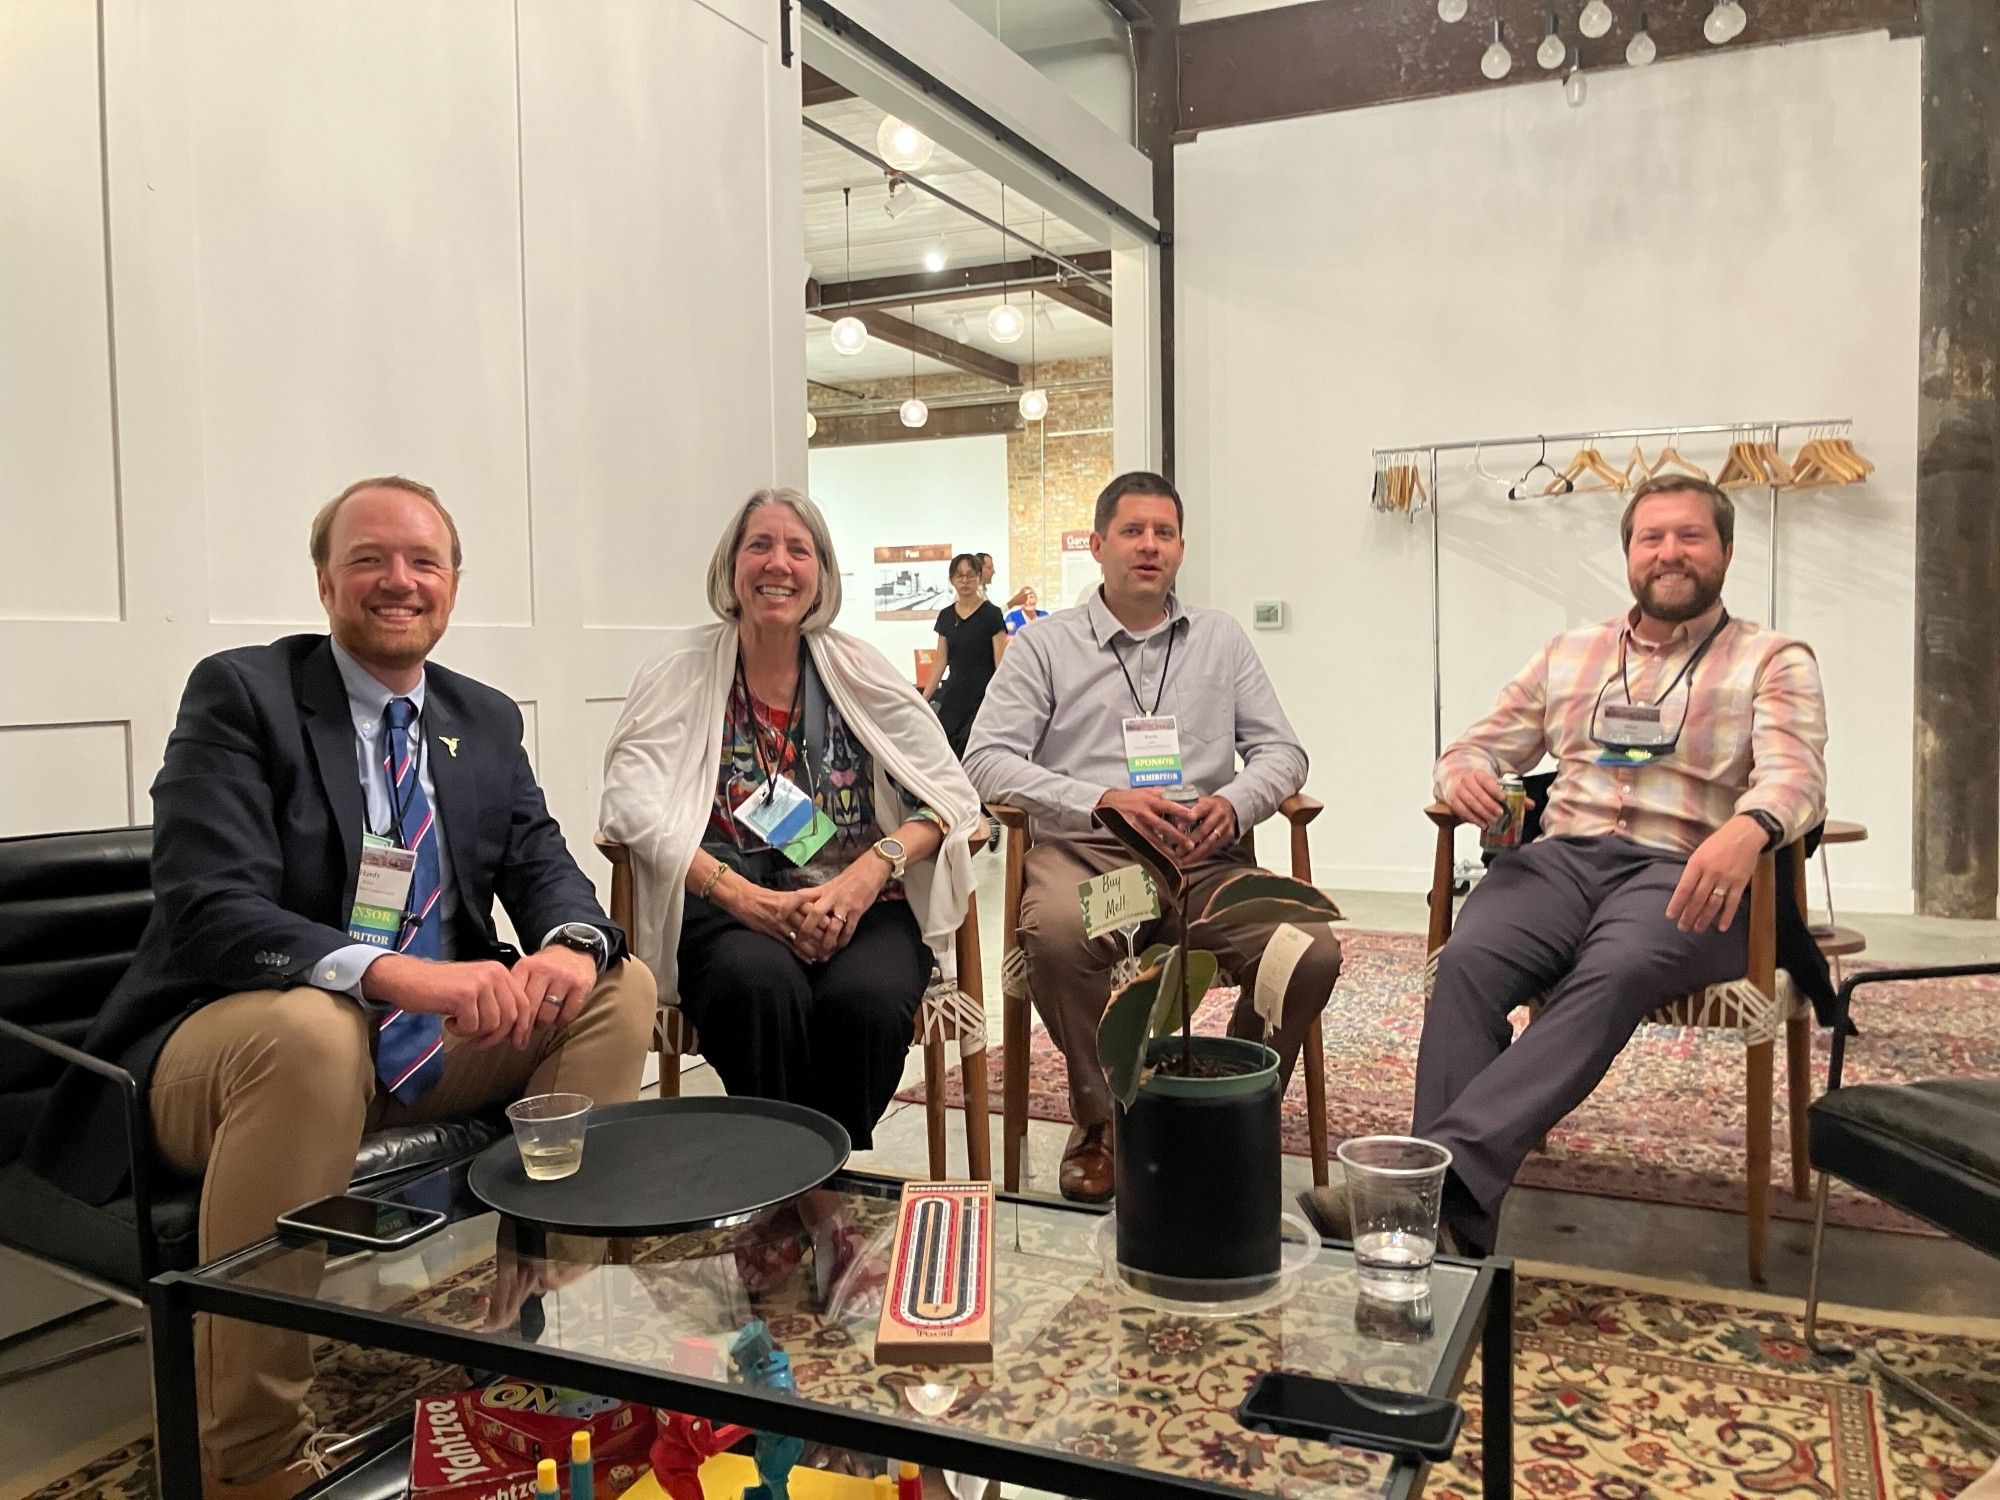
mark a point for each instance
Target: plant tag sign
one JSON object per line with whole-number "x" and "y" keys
{"x": 1281, "y": 955}
{"x": 1124, "y": 898}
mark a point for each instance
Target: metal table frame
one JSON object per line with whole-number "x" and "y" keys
{"x": 175, "y": 1298}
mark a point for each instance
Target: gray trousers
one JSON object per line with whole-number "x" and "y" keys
{"x": 1581, "y": 922}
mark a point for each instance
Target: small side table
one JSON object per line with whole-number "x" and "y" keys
{"x": 1835, "y": 941}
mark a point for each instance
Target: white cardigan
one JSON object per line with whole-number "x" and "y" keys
{"x": 661, "y": 764}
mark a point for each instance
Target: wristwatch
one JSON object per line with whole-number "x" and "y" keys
{"x": 582, "y": 937}
{"x": 893, "y": 851}
{"x": 1774, "y": 831}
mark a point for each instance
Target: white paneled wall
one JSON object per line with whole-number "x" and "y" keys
{"x": 533, "y": 255}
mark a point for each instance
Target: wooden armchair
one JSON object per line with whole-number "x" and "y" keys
{"x": 1756, "y": 1006}
{"x": 937, "y": 1023}
{"x": 1017, "y": 1016}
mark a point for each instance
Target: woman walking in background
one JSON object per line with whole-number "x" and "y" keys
{"x": 972, "y": 633}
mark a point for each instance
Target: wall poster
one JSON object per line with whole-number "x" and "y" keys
{"x": 912, "y": 583}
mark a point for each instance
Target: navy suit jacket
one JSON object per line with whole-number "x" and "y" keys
{"x": 257, "y": 825}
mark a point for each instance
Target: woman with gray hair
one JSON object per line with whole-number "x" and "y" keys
{"x": 798, "y": 826}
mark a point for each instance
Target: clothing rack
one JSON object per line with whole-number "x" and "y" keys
{"x": 1427, "y": 454}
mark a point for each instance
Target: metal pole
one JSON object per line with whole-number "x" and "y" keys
{"x": 1437, "y": 622}
{"x": 1603, "y": 432}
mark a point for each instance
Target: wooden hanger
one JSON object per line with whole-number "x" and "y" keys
{"x": 1588, "y": 461}
{"x": 1671, "y": 462}
{"x": 1742, "y": 468}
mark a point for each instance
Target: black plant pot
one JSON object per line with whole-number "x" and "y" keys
{"x": 1199, "y": 1176}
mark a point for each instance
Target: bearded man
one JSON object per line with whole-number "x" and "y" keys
{"x": 1686, "y": 743}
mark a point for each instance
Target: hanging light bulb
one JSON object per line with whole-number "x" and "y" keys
{"x": 850, "y": 334}
{"x": 913, "y": 413}
{"x": 1574, "y": 87}
{"x": 1034, "y": 404}
{"x": 901, "y": 144}
{"x": 1005, "y": 324}
{"x": 936, "y": 258}
{"x": 1553, "y": 49}
{"x": 1725, "y": 23}
{"x": 1496, "y": 62}
{"x": 1451, "y": 11}
{"x": 1641, "y": 50}
{"x": 812, "y": 426}
{"x": 1595, "y": 19}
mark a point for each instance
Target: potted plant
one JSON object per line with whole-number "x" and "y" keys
{"x": 1197, "y": 1136}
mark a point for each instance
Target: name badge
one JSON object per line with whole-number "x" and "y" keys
{"x": 784, "y": 817}
{"x": 381, "y": 892}
{"x": 1635, "y": 726}
{"x": 1153, "y": 753}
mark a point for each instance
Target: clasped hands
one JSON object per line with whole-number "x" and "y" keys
{"x": 487, "y": 1001}
{"x": 814, "y": 923}
{"x": 1188, "y": 831}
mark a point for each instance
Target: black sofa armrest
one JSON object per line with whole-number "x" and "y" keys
{"x": 1843, "y": 999}
{"x": 138, "y": 1130}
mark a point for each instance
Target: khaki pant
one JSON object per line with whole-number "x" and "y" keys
{"x": 266, "y": 1095}
{"x": 1070, "y": 976}
{"x": 1986, "y": 1487}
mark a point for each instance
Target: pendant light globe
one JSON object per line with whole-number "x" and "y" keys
{"x": 812, "y": 426}
{"x": 1496, "y": 62}
{"x": 902, "y": 145}
{"x": 1595, "y": 19}
{"x": 1642, "y": 49}
{"x": 1034, "y": 405}
{"x": 913, "y": 413}
{"x": 1553, "y": 51}
{"x": 1725, "y": 23}
{"x": 1451, "y": 12}
{"x": 850, "y": 335}
{"x": 1006, "y": 323}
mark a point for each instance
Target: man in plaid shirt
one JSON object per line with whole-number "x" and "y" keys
{"x": 1686, "y": 743}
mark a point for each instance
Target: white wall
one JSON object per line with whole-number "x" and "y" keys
{"x": 312, "y": 242}
{"x": 1725, "y": 238}
{"x": 944, "y": 490}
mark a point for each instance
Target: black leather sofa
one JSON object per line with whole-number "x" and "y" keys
{"x": 1930, "y": 1148}
{"x": 72, "y": 906}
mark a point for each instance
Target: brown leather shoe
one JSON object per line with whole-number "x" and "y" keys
{"x": 1088, "y": 1174}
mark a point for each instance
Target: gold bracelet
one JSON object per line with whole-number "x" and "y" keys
{"x": 713, "y": 876}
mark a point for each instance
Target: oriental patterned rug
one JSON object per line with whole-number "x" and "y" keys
{"x": 1665, "y": 1126}
{"x": 1624, "y": 1389}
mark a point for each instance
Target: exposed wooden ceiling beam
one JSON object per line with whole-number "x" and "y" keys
{"x": 816, "y": 88}
{"x": 1081, "y": 295}
{"x": 955, "y": 283}
{"x": 907, "y": 335}
{"x": 950, "y": 421}
{"x": 1328, "y": 55}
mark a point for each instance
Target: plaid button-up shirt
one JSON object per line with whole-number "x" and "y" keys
{"x": 1754, "y": 736}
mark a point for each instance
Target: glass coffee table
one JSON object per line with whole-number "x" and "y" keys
{"x": 1094, "y": 1389}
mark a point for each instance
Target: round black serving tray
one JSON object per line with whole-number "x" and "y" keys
{"x": 657, "y": 1166}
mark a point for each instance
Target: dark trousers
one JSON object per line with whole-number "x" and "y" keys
{"x": 1582, "y": 923}
{"x": 831, "y": 1036}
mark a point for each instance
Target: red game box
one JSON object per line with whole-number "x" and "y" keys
{"x": 450, "y": 1460}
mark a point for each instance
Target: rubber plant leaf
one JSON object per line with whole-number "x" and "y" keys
{"x": 1257, "y": 899}
{"x": 1167, "y": 875}
{"x": 1121, "y": 1035}
{"x": 1177, "y": 999}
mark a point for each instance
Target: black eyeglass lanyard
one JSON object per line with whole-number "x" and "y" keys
{"x": 1165, "y": 666}
{"x": 399, "y": 805}
{"x": 793, "y": 733}
{"x": 1686, "y": 674}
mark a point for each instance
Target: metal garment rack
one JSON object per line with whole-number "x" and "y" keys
{"x": 1772, "y": 432}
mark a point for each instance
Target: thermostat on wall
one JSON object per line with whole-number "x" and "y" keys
{"x": 1268, "y": 614}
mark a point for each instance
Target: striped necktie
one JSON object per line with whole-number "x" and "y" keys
{"x": 409, "y": 1052}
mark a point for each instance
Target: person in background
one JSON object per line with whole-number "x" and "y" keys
{"x": 1068, "y": 711}
{"x": 798, "y": 828}
{"x": 986, "y": 580}
{"x": 1024, "y": 613}
{"x": 971, "y": 637}
{"x": 1686, "y": 743}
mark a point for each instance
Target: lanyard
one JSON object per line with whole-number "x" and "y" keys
{"x": 1165, "y": 667}
{"x": 794, "y": 724}
{"x": 401, "y": 805}
{"x": 1687, "y": 668}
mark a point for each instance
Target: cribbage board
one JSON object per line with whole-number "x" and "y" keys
{"x": 938, "y": 1306}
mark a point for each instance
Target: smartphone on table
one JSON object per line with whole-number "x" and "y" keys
{"x": 1338, "y": 1411}
{"x": 366, "y": 1223}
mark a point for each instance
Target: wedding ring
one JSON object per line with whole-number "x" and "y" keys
{"x": 791, "y": 934}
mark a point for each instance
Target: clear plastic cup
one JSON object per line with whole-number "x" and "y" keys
{"x": 1395, "y": 1187}
{"x": 549, "y": 1130}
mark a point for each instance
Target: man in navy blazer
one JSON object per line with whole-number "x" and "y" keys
{"x": 274, "y": 1026}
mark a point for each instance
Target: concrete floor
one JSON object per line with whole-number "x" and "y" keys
{"x": 47, "y": 1417}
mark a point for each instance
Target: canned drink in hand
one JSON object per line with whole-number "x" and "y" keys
{"x": 1505, "y": 831}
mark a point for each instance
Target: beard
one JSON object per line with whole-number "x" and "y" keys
{"x": 1682, "y": 603}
